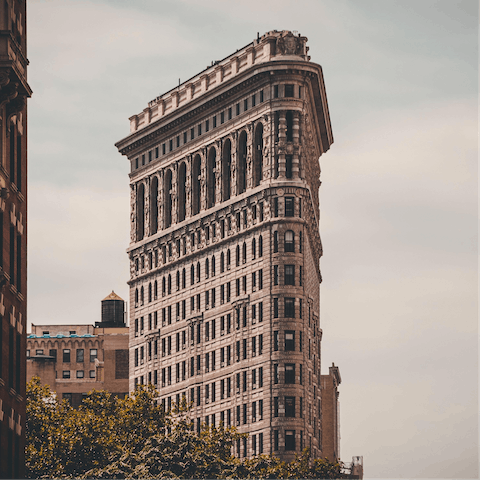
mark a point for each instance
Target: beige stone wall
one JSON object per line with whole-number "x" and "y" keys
{"x": 93, "y": 373}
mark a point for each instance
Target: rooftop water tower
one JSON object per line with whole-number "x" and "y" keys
{"x": 113, "y": 312}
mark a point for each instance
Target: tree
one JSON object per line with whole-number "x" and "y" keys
{"x": 108, "y": 437}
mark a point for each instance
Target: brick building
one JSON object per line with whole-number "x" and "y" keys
{"x": 14, "y": 90}
{"x": 225, "y": 246}
{"x": 75, "y": 359}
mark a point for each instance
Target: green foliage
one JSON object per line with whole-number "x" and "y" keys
{"x": 108, "y": 437}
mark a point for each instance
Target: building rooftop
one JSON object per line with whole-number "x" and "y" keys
{"x": 61, "y": 335}
{"x": 112, "y": 296}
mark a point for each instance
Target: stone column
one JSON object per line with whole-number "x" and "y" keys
{"x": 173, "y": 192}
{"x": 133, "y": 212}
{"x": 147, "y": 184}
{"x": 250, "y": 153}
{"x": 267, "y": 151}
{"x": 218, "y": 172}
{"x": 282, "y": 139}
{"x": 161, "y": 199}
{"x": 296, "y": 141}
{"x": 233, "y": 166}
{"x": 188, "y": 187}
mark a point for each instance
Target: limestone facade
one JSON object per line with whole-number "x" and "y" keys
{"x": 225, "y": 246}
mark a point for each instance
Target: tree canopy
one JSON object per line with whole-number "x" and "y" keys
{"x": 110, "y": 437}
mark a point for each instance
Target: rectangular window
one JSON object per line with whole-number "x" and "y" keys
{"x": 290, "y": 373}
{"x": 245, "y": 105}
{"x": 163, "y": 149}
{"x": 185, "y": 138}
{"x": 66, "y": 356}
{"x": 66, "y": 374}
{"x": 289, "y": 439}
{"x": 289, "y": 91}
{"x": 275, "y": 95}
{"x": 93, "y": 354}
{"x": 261, "y": 96}
{"x": 80, "y": 373}
{"x": 260, "y": 312}
{"x": 207, "y": 125}
{"x": 80, "y": 355}
{"x": 237, "y": 108}
{"x": 214, "y": 121}
{"x": 275, "y": 274}
{"x": 275, "y": 406}
{"x": 178, "y": 140}
{"x": 275, "y": 340}
{"x": 92, "y": 374}
{"x": 290, "y": 274}
{"x": 275, "y": 308}
{"x": 290, "y": 341}
{"x": 170, "y": 145}
{"x": 275, "y": 207}
{"x": 192, "y": 133}
{"x": 199, "y": 129}
{"x": 254, "y": 100}
{"x": 289, "y": 206}
{"x": 289, "y": 308}
{"x": 290, "y": 406}
{"x": 260, "y": 377}
{"x": 222, "y": 117}
{"x": 230, "y": 113}
{"x": 260, "y": 279}
{"x": 275, "y": 373}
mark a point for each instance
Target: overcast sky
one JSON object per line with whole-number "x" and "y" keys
{"x": 398, "y": 196}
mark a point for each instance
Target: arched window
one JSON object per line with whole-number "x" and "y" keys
{"x": 154, "y": 206}
{"x": 254, "y": 249}
{"x": 207, "y": 268}
{"x": 178, "y": 280}
{"x": 198, "y": 272}
{"x": 164, "y": 289}
{"x": 196, "y": 185}
{"x": 192, "y": 274}
{"x": 168, "y": 198}
{"x": 237, "y": 256}
{"x": 258, "y": 155}
{"x": 226, "y": 167}
{"x": 211, "y": 177}
{"x": 222, "y": 262}
{"x": 244, "y": 252}
{"x": 140, "y": 212}
{"x": 155, "y": 290}
{"x": 213, "y": 266}
{"x": 169, "y": 284}
{"x": 242, "y": 162}
{"x": 136, "y": 297}
{"x": 184, "y": 279}
{"x": 228, "y": 259}
{"x": 141, "y": 296}
{"x": 260, "y": 246}
{"x": 149, "y": 292}
{"x": 136, "y": 264}
{"x": 289, "y": 241}
{"x": 275, "y": 241}
{"x": 182, "y": 196}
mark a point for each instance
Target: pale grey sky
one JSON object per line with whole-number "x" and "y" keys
{"x": 398, "y": 195}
